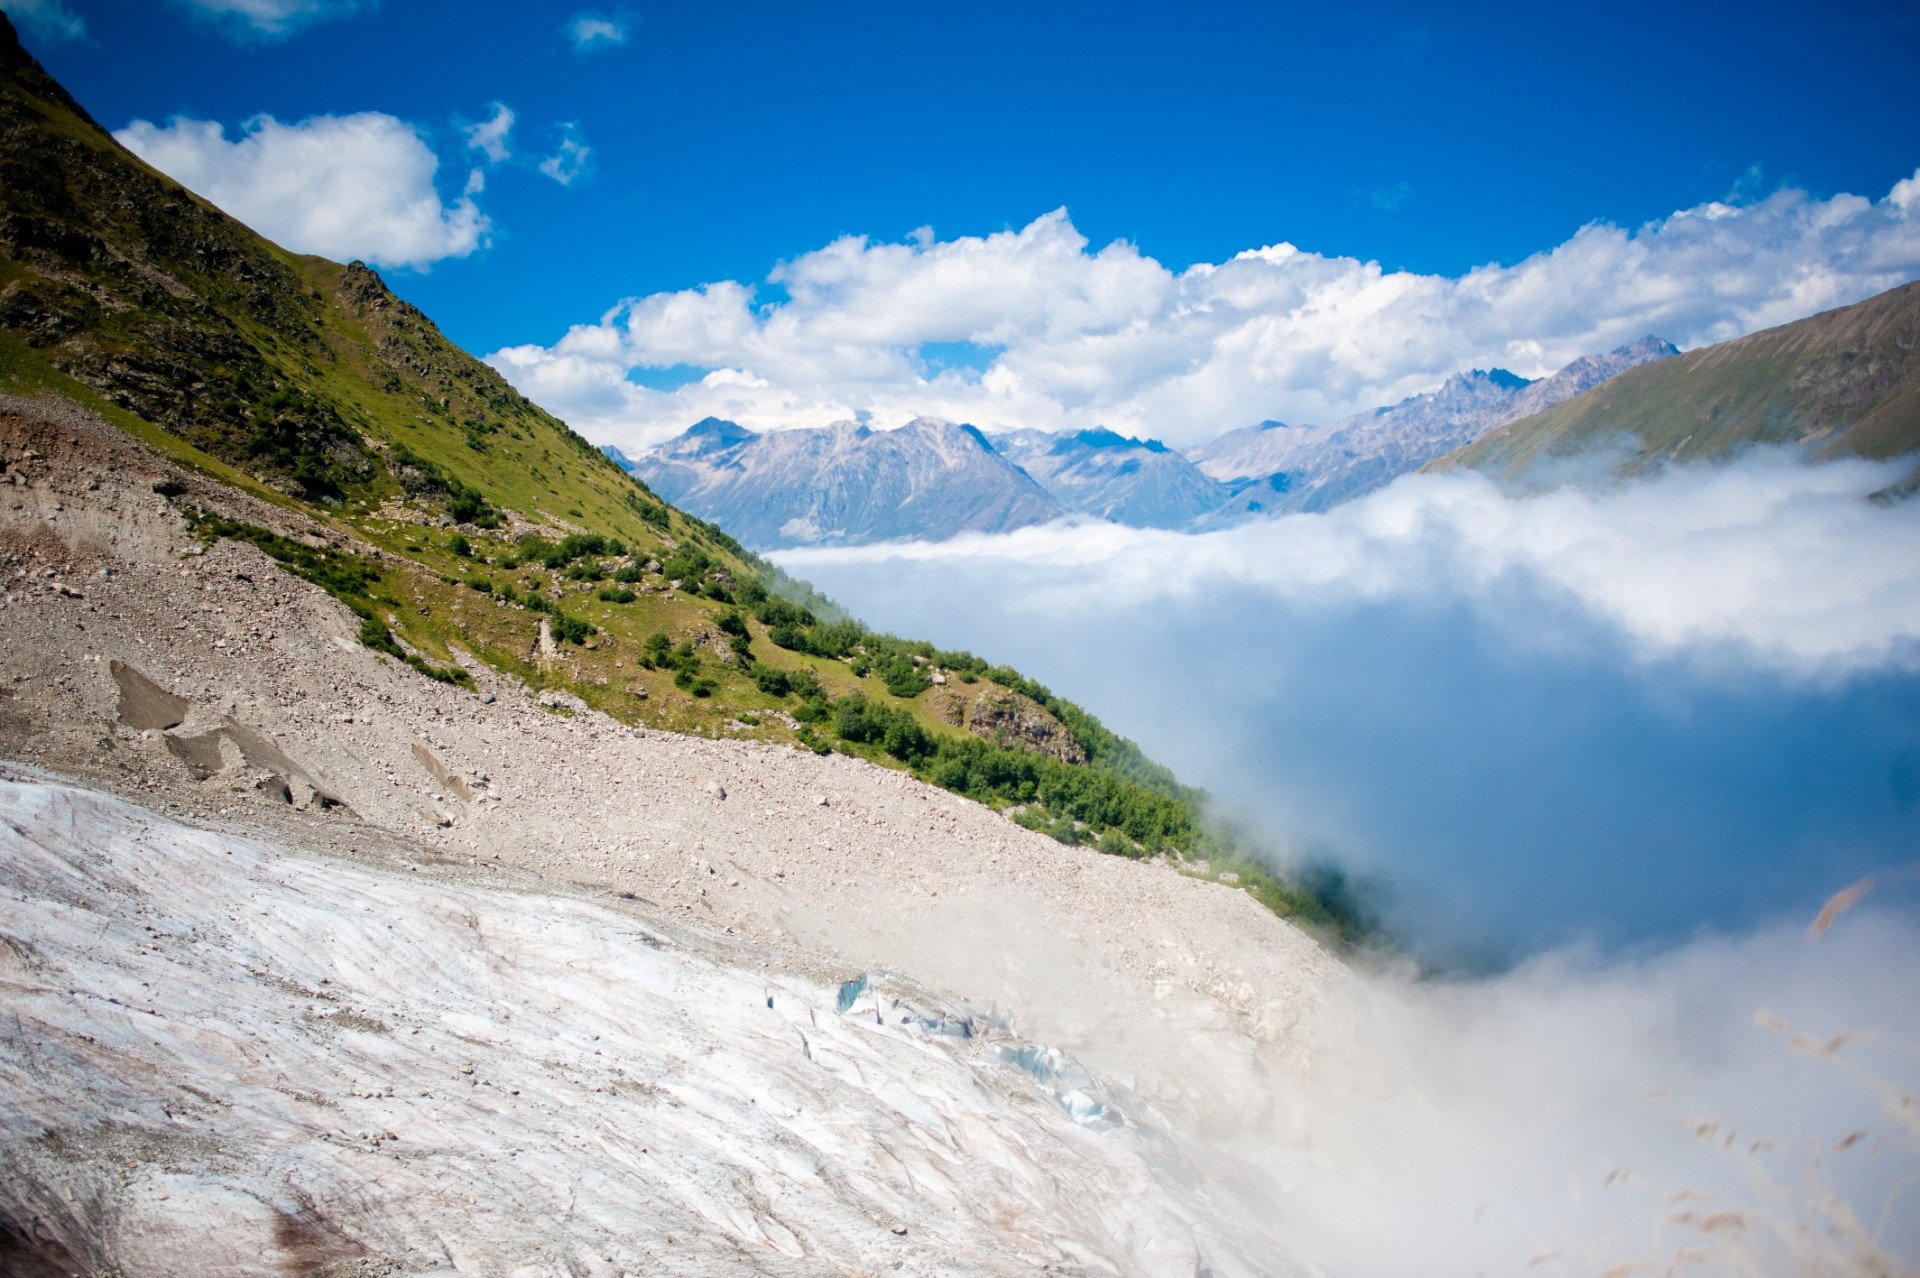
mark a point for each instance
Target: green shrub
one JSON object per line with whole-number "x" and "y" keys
{"x": 617, "y": 594}
{"x": 379, "y": 638}
{"x": 903, "y": 678}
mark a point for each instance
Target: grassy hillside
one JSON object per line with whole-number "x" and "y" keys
{"x": 472, "y": 525}
{"x": 1844, "y": 382}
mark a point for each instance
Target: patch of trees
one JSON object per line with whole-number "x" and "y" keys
{"x": 660, "y": 653}
{"x": 574, "y": 547}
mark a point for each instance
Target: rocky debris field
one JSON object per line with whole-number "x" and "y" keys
{"x": 214, "y": 690}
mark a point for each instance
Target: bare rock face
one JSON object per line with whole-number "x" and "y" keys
{"x": 1011, "y": 719}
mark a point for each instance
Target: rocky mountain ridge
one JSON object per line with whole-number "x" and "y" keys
{"x": 929, "y": 480}
{"x": 844, "y": 483}
{"x": 1280, "y": 468}
{"x": 1139, "y": 482}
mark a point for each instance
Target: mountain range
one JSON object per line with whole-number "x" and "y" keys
{"x": 1318, "y": 467}
{"x": 296, "y": 406}
{"x": 844, "y": 482}
{"x": 849, "y": 484}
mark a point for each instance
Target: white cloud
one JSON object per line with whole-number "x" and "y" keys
{"x": 1079, "y": 336}
{"x": 489, "y": 137}
{"x": 569, "y": 159}
{"x": 274, "y": 19}
{"x": 48, "y": 19}
{"x": 343, "y": 186}
{"x": 590, "y": 31}
{"x": 1781, "y": 565}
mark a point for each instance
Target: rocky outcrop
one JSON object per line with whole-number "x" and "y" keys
{"x": 1010, "y": 719}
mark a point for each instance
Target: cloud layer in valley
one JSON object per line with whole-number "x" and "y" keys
{"x": 1621, "y": 712}
{"x": 343, "y": 186}
{"x": 1036, "y": 328}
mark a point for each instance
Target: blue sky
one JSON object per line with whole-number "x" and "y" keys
{"x": 723, "y": 139}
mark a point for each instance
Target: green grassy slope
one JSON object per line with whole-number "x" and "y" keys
{"x": 491, "y": 530}
{"x": 1844, "y": 382}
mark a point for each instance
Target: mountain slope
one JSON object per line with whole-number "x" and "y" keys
{"x": 1314, "y": 467}
{"x": 1846, "y": 381}
{"x": 845, "y": 482}
{"x": 1142, "y": 483}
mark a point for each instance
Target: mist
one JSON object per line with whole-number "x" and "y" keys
{"x": 1599, "y": 755}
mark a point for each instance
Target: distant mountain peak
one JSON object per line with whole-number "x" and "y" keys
{"x": 1101, "y": 437}
{"x": 719, "y": 430}
{"x": 1475, "y": 378}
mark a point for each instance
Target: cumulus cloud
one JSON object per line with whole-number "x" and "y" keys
{"x": 569, "y": 158}
{"x": 47, "y": 19}
{"x": 344, "y": 186}
{"x": 589, "y": 31}
{"x": 273, "y": 19}
{"x": 489, "y": 136}
{"x": 1072, "y": 336}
